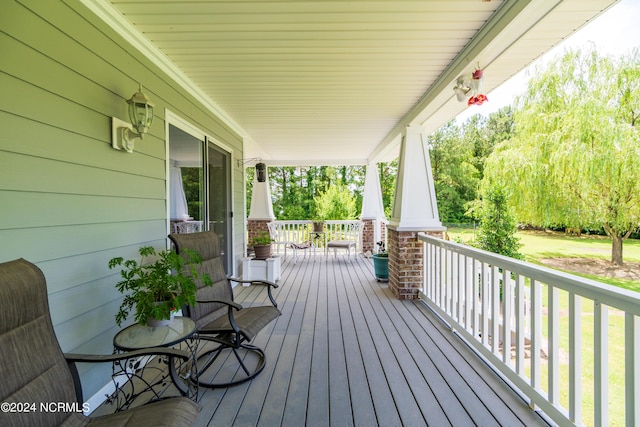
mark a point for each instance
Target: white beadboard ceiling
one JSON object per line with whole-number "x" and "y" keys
{"x": 336, "y": 81}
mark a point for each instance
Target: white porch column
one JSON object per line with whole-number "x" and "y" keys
{"x": 261, "y": 206}
{"x": 414, "y": 210}
{"x": 372, "y": 210}
{"x": 261, "y": 210}
{"x": 414, "y": 205}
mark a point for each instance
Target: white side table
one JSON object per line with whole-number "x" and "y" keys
{"x": 261, "y": 269}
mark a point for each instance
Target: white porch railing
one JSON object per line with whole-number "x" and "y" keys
{"x": 286, "y": 233}
{"x": 337, "y": 233}
{"x": 581, "y": 327}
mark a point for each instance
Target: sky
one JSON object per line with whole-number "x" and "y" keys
{"x": 614, "y": 32}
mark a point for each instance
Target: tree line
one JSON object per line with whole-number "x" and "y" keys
{"x": 566, "y": 154}
{"x": 573, "y": 159}
{"x": 458, "y": 154}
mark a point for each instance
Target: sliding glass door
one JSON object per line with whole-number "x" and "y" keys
{"x": 199, "y": 196}
{"x": 219, "y": 200}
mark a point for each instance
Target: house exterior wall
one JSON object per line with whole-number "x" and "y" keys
{"x": 68, "y": 201}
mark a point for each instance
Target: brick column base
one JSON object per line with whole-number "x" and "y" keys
{"x": 256, "y": 226}
{"x": 368, "y": 236}
{"x": 406, "y": 269}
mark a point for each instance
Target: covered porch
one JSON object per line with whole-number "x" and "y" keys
{"x": 346, "y": 352}
{"x": 285, "y": 83}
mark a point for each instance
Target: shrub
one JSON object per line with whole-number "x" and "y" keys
{"x": 497, "y": 225}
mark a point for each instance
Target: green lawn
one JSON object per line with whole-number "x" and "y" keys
{"x": 546, "y": 244}
{"x": 540, "y": 245}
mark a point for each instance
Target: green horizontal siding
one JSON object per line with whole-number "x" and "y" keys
{"x": 46, "y": 243}
{"x": 68, "y": 201}
{"x": 26, "y": 209}
{"x": 27, "y": 173}
{"x": 24, "y": 135}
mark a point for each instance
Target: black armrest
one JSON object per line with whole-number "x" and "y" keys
{"x": 231, "y": 305}
{"x": 259, "y": 282}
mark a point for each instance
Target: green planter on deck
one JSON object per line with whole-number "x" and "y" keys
{"x": 381, "y": 267}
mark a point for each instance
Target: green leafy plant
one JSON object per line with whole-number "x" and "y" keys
{"x": 261, "y": 239}
{"x": 157, "y": 284}
{"x": 318, "y": 225}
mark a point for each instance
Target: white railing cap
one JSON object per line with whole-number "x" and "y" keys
{"x": 609, "y": 295}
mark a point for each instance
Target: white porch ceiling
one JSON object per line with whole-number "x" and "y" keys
{"x": 336, "y": 81}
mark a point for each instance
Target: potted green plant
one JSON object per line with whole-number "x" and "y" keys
{"x": 261, "y": 244}
{"x": 157, "y": 285}
{"x": 381, "y": 263}
{"x": 318, "y": 226}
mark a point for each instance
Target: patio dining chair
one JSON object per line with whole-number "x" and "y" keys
{"x": 36, "y": 373}
{"x": 226, "y": 326}
{"x": 343, "y": 235}
{"x": 303, "y": 246}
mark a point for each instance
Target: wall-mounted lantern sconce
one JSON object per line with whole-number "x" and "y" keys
{"x": 141, "y": 117}
{"x": 261, "y": 172}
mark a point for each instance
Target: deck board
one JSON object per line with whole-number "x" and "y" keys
{"x": 345, "y": 352}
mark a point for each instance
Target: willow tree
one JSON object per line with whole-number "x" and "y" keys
{"x": 574, "y": 160}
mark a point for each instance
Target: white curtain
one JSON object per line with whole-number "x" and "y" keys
{"x": 177, "y": 198}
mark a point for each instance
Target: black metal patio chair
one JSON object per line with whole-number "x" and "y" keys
{"x": 36, "y": 373}
{"x": 227, "y": 326}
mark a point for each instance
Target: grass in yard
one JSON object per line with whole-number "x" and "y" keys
{"x": 632, "y": 285}
{"x": 540, "y": 245}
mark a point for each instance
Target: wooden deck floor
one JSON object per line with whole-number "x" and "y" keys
{"x": 345, "y": 352}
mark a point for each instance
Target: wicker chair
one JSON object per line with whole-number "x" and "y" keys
{"x": 35, "y": 371}
{"x": 227, "y": 326}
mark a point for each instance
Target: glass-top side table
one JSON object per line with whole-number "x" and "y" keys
{"x": 137, "y": 337}
{"x": 146, "y": 378}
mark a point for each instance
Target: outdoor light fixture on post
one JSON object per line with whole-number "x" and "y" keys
{"x": 141, "y": 117}
{"x": 261, "y": 172}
